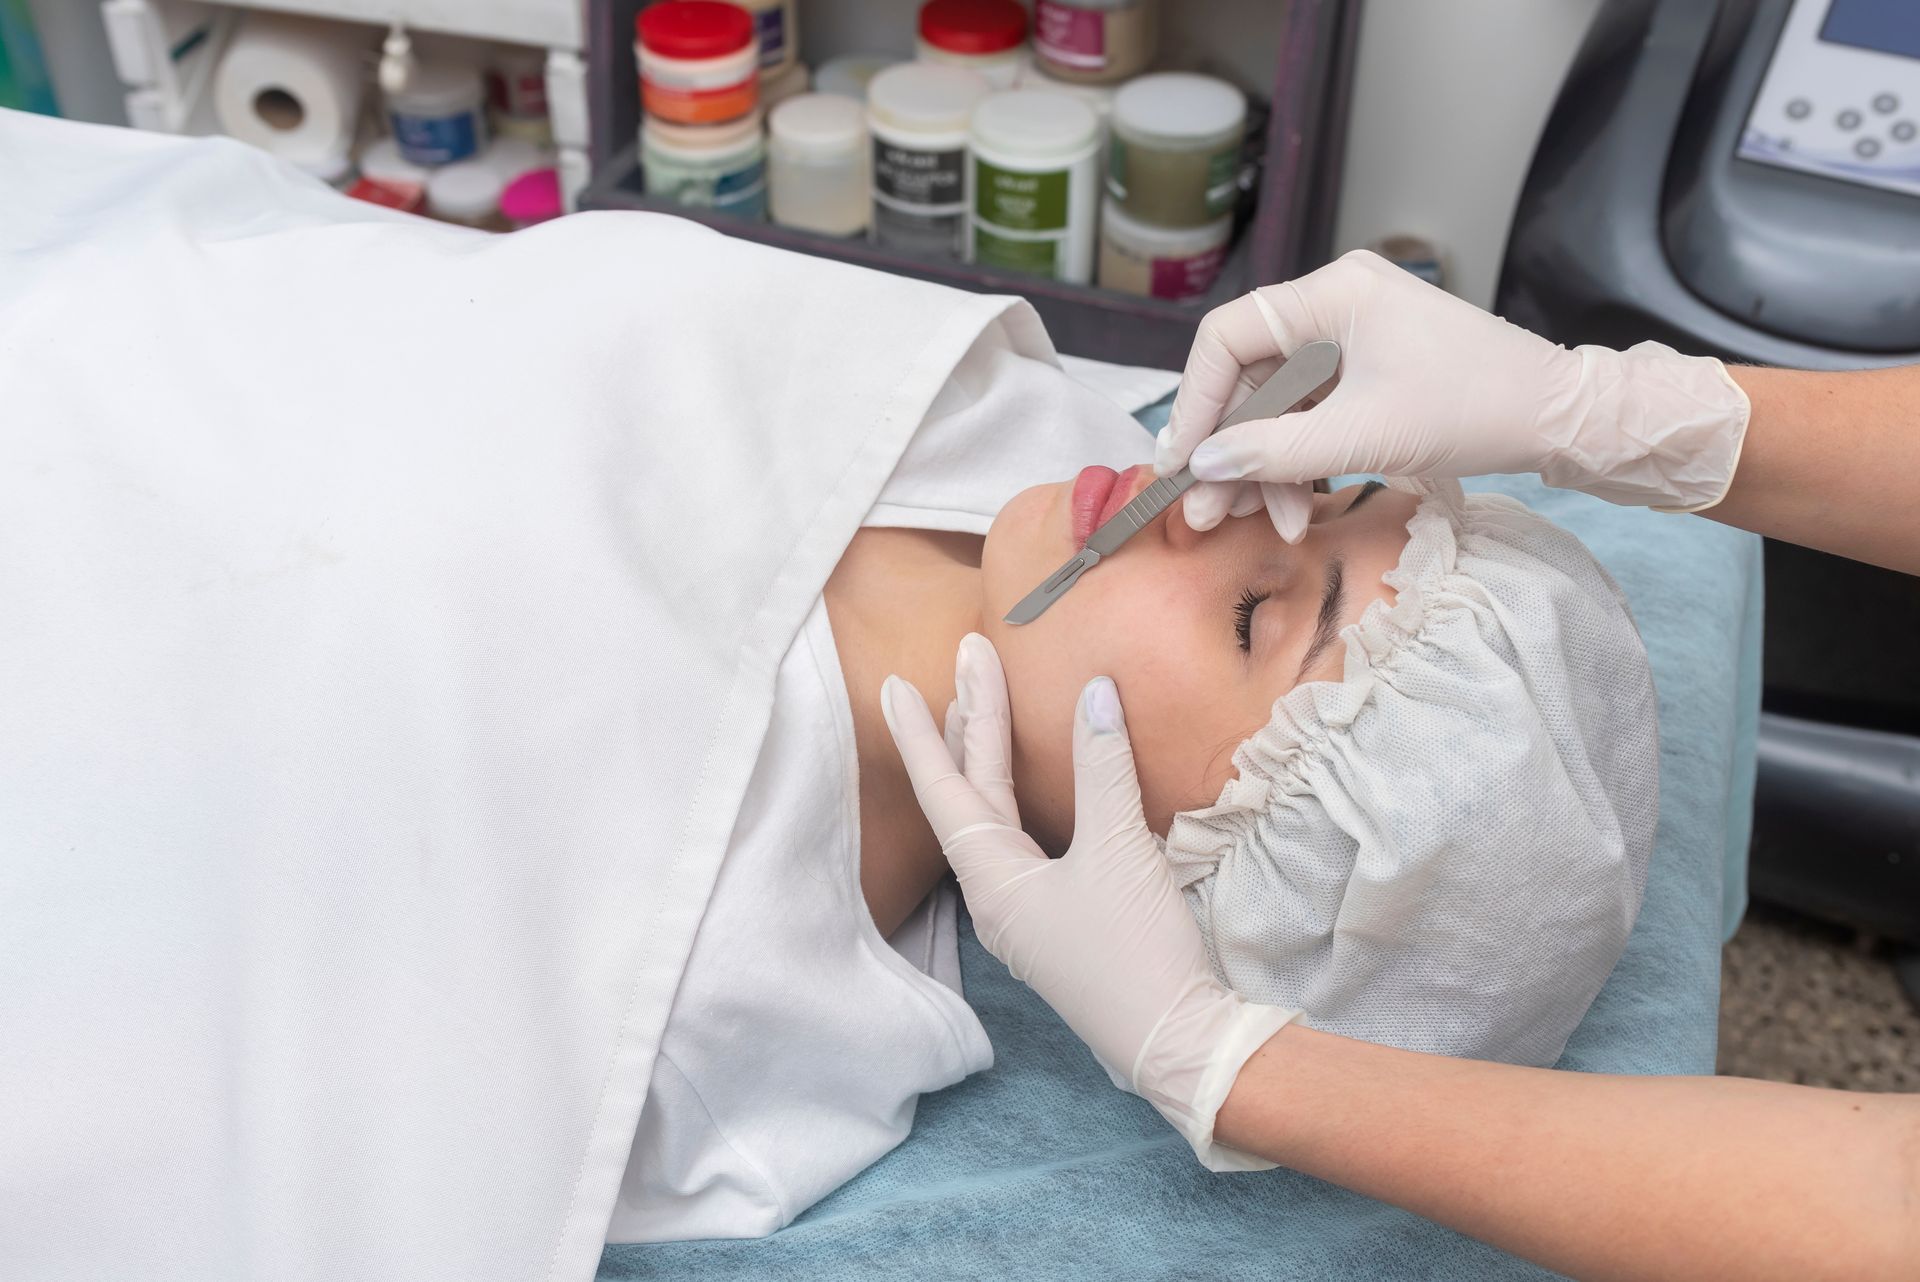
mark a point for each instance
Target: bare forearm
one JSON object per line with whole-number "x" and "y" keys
{"x": 1831, "y": 461}
{"x": 1599, "y": 1176}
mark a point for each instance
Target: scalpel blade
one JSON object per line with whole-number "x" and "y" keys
{"x": 1034, "y": 603}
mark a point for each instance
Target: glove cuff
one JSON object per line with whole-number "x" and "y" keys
{"x": 1649, "y": 427}
{"x": 1191, "y": 1061}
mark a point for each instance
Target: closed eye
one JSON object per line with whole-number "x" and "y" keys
{"x": 1243, "y": 618}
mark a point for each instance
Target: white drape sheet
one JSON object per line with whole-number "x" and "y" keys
{"x": 372, "y": 714}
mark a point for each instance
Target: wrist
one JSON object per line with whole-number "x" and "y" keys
{"x": 1647, "y": 427}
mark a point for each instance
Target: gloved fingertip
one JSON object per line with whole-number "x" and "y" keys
{"x": 1212, "y": 461}
{"x": 1201, "y": 510}
{"x": 1100, "y": 705}
{"x": 897, "y": 699}
{"x": 1291, "y": 507}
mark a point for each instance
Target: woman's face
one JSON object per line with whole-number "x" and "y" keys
{"x": 1200, "y": 632}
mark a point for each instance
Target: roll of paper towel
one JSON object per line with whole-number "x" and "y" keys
{"x": 292, "y": 85}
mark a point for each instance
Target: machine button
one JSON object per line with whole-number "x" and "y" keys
{"x": 1903, "y": 130}
{"x": 1867, "y": 148}
{"x": 1799, "y": 109}
{"x": 1848, "y": 119}
{"x": 1885, "y": 103}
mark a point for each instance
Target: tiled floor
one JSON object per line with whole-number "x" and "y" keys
{"x": 1804, "y": 1002}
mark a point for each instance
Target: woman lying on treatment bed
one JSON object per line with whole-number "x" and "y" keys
{"x": 444, "y": 759}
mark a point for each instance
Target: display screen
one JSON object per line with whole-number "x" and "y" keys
{"x": 1887, "y": 26}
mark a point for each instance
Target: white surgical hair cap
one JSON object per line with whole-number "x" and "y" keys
{"x": 1446, "y": 849}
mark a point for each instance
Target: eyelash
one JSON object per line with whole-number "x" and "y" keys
{"x": 1243, "y": 618}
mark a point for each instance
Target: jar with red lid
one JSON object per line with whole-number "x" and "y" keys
{"x": 987, "y": 36}
{"x": 699, "y": 61}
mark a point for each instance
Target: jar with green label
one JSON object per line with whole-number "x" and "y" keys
{"x": 1033, "y": 184}
{"x": 1175, "y": 156}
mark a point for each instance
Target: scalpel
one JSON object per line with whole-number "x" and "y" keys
{"x": 1306, "y": 372}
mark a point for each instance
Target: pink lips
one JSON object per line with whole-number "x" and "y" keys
{"x": 1090, "y": 492}
{"x": 1098, "y": 493}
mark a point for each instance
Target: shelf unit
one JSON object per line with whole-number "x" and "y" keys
{"x": 164, "y": 52}
{"x": 1305, "y": 84}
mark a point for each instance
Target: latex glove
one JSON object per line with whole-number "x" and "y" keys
{"x": 1433, "y": 386}
{"x": 1102, "y": 933}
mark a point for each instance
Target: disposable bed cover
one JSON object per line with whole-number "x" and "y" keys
{"x": 1038, "y": 1168}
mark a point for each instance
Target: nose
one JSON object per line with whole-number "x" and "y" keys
{"x": 1180, "y": 536}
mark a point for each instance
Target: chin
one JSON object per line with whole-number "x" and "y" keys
{"x": 1018, "y": 551}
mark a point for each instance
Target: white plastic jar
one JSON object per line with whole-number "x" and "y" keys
{"x": 722, "y": 167}
{"x": 851, "y": 73}
{"x": 467, "y": 192}
{"x": 439, "y": 118}
{"x": 1033, "y": 184}
{"x": 1177, "y": 263}
{"x": 775, "y": 33}
{"x": 987, "y": 36}
{"x": 1099, "y": 97}
{"x": 699, "y": 62}
{"x": 917, "y": 113}
{"x": 1098, "y": 41}
{"x": 818, "y": 164}
{"x": 1174, "y": 159}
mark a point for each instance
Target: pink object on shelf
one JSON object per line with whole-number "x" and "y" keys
{"x": 533, "y": 197}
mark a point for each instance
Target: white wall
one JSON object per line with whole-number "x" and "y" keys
{"x": 1449, "y": 99}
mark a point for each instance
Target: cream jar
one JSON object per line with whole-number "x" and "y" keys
{"x": 818, "y": 159}
{"x": 1033, "y": 184}
{"x": 917, "y": 113}
{"x": 721, "y": 167}
{"x": 1175, "y": 263}
{"x": 1097, "y": 41}
{"x": 1174, "y": 158}
{"x": 987, "y": 36}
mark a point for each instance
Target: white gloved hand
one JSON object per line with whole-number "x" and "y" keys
{"x": 1102, "y": 933}
{"x": 1433, "y": 386}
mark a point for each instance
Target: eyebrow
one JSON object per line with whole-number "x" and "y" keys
{"x": 1331, "y": 598}
{"x": 1367, "y": 491}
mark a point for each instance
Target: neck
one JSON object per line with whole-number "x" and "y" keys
{"x": 899, "y": 602}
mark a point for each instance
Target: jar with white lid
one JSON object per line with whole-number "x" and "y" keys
{"x": 721, "y": 167}
{"x": 775, "y": 33}
{"x": 1099, "y": 97}
{"x": 699, "y": 61}
{"x": 851, "y": 73}
{"x": 987, "y": 36}
{"x": 1177, "y": 263}
{"x": 1033, "y": 184}
{"x": 818, "y": 159}
{"x": 917, "y": 113}
{"x": 439, "y": 117}
{"x": 1174, "y": 159}
{"x": 467, "y": 192}
{"x": 1097, "y": 41}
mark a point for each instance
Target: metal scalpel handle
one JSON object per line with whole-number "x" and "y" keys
{"x": 1306, "y": 372}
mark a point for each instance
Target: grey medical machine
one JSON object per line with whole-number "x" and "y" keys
{"x": 1742, "y": 179}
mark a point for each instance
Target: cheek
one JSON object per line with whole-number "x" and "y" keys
{"x": 1141, "y": 622}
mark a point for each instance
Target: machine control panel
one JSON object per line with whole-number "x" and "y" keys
{"x": 1841, "y": 96}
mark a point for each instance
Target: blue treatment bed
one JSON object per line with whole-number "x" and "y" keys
{"x": 1039, "y": 1169}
